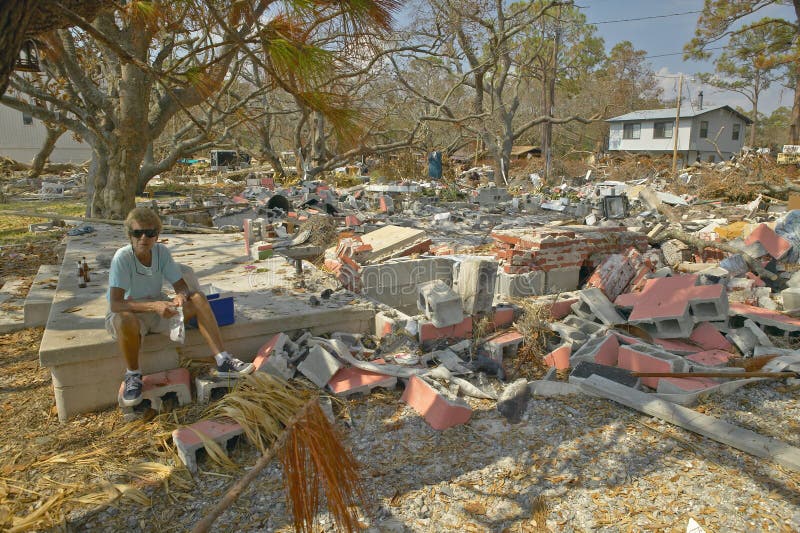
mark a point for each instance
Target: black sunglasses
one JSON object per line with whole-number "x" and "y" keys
{"x": 137, "y": 233}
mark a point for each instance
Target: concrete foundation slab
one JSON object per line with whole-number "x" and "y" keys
{"x": 263, "y": 300}
{"x": 40, "y": 296}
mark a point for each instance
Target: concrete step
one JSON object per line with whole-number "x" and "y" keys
{"x": 40, "y": 297}
{"x": 12, "y": 301}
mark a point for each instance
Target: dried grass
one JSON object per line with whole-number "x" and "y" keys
{"x": 533, "y": 326}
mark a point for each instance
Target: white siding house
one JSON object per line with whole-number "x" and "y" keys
{"x": 651, "y": 132}
{"x": 22, "y": 136}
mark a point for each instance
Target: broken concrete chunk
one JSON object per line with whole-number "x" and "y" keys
{"x": 319, "y": 366}
{"x": 475, "y": 283}
{"x": 594, "y": 304}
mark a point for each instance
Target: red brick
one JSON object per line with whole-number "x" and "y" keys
{"x": 503, "y": 317}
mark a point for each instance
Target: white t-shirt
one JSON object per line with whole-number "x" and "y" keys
{"x": 141, "y": 282}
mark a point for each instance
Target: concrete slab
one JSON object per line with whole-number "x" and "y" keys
{"x": 263, "y": 299}
{"x": 12, "y": 302}
{"x": 40, "y": 296}
{"x": 475, "y": 283}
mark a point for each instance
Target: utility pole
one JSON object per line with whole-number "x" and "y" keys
{"x": 677, "y": 125}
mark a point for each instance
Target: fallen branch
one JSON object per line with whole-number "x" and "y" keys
{"x": 675, "y": 233}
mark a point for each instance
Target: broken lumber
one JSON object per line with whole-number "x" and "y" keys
{"x": 675, "y": 233}
{"x": 708, "y": 426}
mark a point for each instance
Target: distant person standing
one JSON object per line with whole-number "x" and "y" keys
{"x": 435, "y": 165}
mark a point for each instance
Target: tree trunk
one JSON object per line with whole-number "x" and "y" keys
{"x": 15, "y": 16}
{"x": 794, "y": 129}
{"x": 117, "y": 195}
{"x": 53, "y": 134}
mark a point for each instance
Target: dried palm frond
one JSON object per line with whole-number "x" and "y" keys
{"x": 317, "y": 466}
{"x": 315, "y": 461}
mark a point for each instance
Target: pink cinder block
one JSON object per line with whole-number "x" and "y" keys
{"x": 427, "y": 331}
{"x": 559, "y": 357}
{"x": 155, "y": 386}
{"x": 773, "y": 243}
{"x": 707, "y": 337}
{"x": 503, "y": 317}
{"x": 677, "y": 346}
{"x": 352, "y": 380}
{"x": 608, "y": 352}
{"x": 188, "y": 441}
{"x": 274, "y": 344}
{"x": 439, "y": 412}
{"x": 677, "y": 385}
{"x": 710, "y": 357}
{"x": 640, "y": 362}
{"x": 562, "y": 308}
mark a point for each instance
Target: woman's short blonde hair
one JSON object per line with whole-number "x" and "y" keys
{"x": 144, "y": 216}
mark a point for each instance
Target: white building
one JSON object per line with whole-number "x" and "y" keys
{"x": 651, "y": 132}
{"x": 22, "y": 136}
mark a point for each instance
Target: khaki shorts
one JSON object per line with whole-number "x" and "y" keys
{"x": 148, "y": 323}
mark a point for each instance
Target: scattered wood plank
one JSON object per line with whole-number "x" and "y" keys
{"x": 708, "y": 426}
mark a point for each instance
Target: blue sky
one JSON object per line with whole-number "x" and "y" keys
{"x": 668, "y": 35}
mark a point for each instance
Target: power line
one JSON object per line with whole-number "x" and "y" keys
{"x": 681, "y": 53}
{"x": 647, "y": 18}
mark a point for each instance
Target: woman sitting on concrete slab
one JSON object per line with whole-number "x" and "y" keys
{"x": 137, "y": 305}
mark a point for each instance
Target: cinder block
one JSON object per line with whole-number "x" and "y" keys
{"x": 684, "y": 385}
{"x": 643, "y": 358}
{"x": 559, "y": 358}
{"x": 428, "y": 331}
{"x": 156, "y": 386}
{"x": 475, "y": 283}
{"x": 439, "y": 412}
{"x": 503, "y": 345}
{"x": 319, "y": 366}
{"x": 709, "y": 303}
{"x": 710, "y": 358}
{"x": 503, "y": 317}
{"x": 352, "y": 380}
{"x": 562, "y": 279}
{"x": 708, "y": 337}
{"x": 593, "y": 303}
{"x": 791, "y": 298}
{"x": 205, "y": 386}
{"x": 440, "y": 304}
{"x": 188, "y": 439}
{"x": 586, "y": 326}
{"x": 603, "y": 350}
{"x": 774, "y": 244}
{"x": 520, "y": 285}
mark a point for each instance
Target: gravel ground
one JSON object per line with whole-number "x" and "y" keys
{"x": 598, "y": 466}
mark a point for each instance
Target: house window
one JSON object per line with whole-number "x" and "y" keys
{"x": 632, "y": 131}
{"x": 662, "y": 130}
{"x": 735, "y": 133}
{"x": 27, "y": 119}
